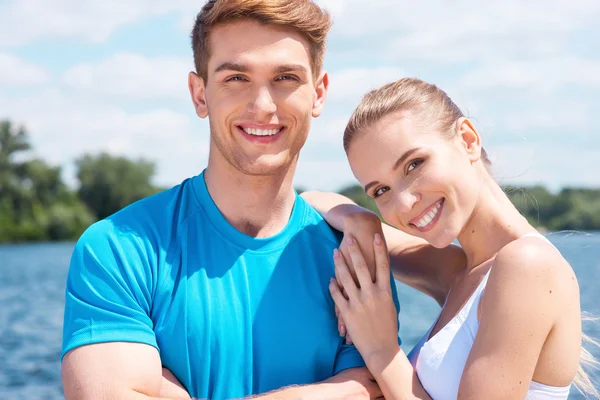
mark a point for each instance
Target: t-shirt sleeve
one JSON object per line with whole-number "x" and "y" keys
{"x": 108, "y": 293}
{"x": 348, "y": 356}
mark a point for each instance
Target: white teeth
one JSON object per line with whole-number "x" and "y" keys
{"x": 260, "y": 132}
{"x": 427, "y": 218}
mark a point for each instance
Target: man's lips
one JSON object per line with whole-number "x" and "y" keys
{"x": 261, "y": 133}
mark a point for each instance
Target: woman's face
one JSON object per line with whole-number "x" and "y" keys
{"x": 424, "y": 182}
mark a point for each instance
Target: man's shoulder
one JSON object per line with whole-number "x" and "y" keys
{"x": 317, "y": 228}
{"x": 154, "y": 219}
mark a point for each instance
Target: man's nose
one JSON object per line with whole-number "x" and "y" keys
{"x": 263, "y": 104}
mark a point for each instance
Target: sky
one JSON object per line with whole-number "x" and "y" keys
{"x": 111, "y": 75}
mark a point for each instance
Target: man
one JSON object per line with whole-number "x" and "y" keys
{"x": 222, "y": 280}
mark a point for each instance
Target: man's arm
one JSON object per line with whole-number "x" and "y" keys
{"x": 133, "y": 371}
{"x": 115, "y": 371}
{"x": 353, "y": 383}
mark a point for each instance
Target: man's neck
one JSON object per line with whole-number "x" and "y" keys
{"x": 259, "y": 206}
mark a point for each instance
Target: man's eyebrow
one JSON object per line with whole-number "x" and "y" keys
{"x": 231, "y": 66}
{"x": 397, "y": 164}
{"x": 290, "y": 68}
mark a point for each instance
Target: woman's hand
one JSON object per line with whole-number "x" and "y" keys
{"x": 361, "y": 225}
{"x": 368, "y": 308}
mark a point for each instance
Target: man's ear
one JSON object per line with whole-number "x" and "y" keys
{"x": 468, "y": 139}
{"x": 321, "y": 87}
{"x": 198, "y": 93}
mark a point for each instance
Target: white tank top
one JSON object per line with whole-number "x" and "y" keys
{"x": 440, "y": 361}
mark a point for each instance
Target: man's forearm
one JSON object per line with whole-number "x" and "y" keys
{"x": 345, "y": 384}
{"x": 321, "y": 390}
{"x": 287, "y": 393}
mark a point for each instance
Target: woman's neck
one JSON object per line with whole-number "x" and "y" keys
{"x": 494, "y": 223}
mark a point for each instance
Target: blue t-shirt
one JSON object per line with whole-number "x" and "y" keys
{"x": 231, "y": 315}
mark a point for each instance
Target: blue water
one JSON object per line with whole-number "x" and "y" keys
{"x": 32, "y": 281}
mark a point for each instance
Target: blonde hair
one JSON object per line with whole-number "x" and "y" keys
{"x": 587, "y": 364}
{"x": 302, "y": 16}
{"x": 427, "y": 101}
{"x": 433, "y": 106}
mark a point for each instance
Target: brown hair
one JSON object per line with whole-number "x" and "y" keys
{"x": 429, "y": 102}
{"x": 303, "y": 16}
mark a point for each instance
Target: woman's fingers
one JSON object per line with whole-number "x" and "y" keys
{"x": 360, "y": 265}
{"x": 341, "y": 325}
{"x": 348, "y": 339}
{"x": 382, "y": 261}
{"x": 343, "y": 275}
{"x": 344, "y": 249}
{"x": 338, "y": 298}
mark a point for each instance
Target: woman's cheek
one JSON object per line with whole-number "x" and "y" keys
{"x": 388, "y": 215}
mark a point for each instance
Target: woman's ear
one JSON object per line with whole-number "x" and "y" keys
{"x": 198, "y": 93}
{"x": 468, "y": 139}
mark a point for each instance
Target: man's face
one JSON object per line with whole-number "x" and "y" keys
{"x": 260, "y": 96}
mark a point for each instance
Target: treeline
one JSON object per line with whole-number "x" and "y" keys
{"x": 36, "y": 205}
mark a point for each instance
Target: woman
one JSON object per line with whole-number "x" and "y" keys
{"x": 510, "y": 325}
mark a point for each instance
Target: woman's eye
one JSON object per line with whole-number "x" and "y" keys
{"x": 414, "y": 164}
{"x": 380, "y": 191}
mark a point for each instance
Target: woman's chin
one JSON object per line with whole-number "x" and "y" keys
{"x": 441, "y": 241}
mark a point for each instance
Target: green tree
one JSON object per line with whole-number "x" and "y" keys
{"x": 108, "y": 183}
{"x": 34, "y": 202}
{"x": 357, "y": 194}
{"x": 13, "y": 140}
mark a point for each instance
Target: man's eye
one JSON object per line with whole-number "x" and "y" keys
{"x": 235, "y": 78}
{"x": 287, "y": 78}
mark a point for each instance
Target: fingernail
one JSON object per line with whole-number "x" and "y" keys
{"x": 336, "y": 254}
{"x": 378, "y": 240}
{"x": 350, "y": 240}
{"x": 342, "y": 330}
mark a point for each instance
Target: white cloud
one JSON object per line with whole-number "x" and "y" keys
{"x": 426, "y": 26}
{"x": 15, "y": 71}
{"x": 566, "y": 117}
{"x": 63, "y": 128}
{"x": 551, "y": 165}
{"x": 24, "y": 21}
{"x": 132, "y": 76}
{"x": 350, "y": 84}
{"x": 460, "y": 31}
{"x": 542, "y": 75}
{"x": 514, "y": 65}
{"x": 327, "y": 131}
